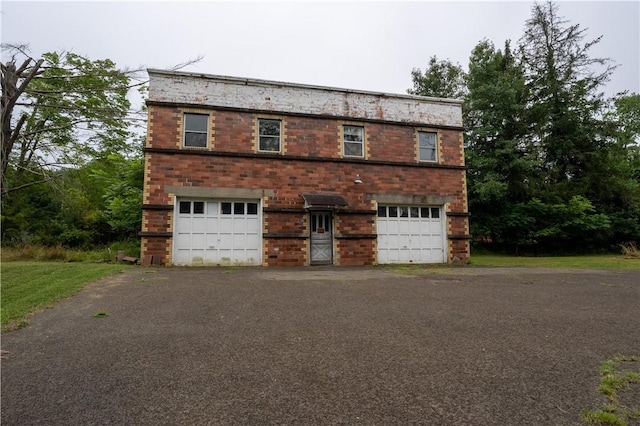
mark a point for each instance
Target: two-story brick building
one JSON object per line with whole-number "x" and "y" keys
{"x": 246, "y": 171}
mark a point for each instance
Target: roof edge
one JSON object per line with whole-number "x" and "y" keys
{"x": 261, "y": 82}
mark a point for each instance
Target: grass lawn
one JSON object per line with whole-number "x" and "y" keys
{"x": 28, "y": 287}
{"x": 607, "y": 261}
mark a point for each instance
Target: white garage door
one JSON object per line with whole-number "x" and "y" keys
{"x": 217, "y": 232}
{"x": 411, "y": 234}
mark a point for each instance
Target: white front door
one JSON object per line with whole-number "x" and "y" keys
{"x": 226, "y": 232}
{"x": 411, "y": 234}
{"x": 321, "y": 238}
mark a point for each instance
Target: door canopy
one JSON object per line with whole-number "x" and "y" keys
{"x": 324, "y": 201}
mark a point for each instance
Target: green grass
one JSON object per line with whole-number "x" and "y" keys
{"x": 33, "y": 252}
{"x": 613, "y": 380}
{"x": 590, "y": 262}
{"x": 28, "y": 287}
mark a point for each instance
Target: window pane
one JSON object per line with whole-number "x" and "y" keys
{"x": 404, "y": 212}
{"x": 427, "y": 154}
{"x": 353, "y": 133}
{"x": 185, "y": 207}
{"x": 196, "y": 122}
{"x": 382, "y": 211}
{"x": 353, "y": 149}
{"x": 424, "y": 211}
{"x": 427, "y": 146}
{"x": 435, "y": 212}
{"x": 195, "y": 139}
{"x": 414, "y": 212}
{"x": 393, "y": 211}
{"x": 270, "y": 143}
{"x": 226, "y": 208}
{"x": 198, "y": 207}
{"x": 269, "y": 127}
{"x": 252, "y": 208}
{"x": 238, "y": 208}
{"x": 427, "y": 139}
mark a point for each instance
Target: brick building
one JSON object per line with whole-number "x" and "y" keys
{"x": 245, "y": 171}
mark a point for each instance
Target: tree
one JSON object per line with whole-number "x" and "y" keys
{"x": 552, "y": 166}
{"x": 441, "y": 79}
{"x": 500, "y": 163}
{"x": 566, "y": 104}
{"x": 59, "y": 111}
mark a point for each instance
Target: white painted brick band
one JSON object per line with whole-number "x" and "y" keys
{"x": 262, "y": 95}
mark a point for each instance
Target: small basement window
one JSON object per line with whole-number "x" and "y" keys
{"x": 196, "y": 130}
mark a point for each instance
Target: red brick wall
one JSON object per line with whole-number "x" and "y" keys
{"x": 288, "y": 178}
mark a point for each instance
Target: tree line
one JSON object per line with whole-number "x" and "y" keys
{"x": 72, "y": 167}
{"x": 553, "y": 165}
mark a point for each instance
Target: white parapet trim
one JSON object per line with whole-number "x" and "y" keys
{"x": 273, "y": 96}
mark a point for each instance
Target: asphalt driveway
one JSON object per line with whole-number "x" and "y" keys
{"x": 463, "y": 346}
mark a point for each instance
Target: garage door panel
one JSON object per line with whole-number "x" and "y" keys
{"x": 226, "y": 240}
{"x": 197, "y": 241}
{"x": 427, "y": 241}
{"x": 415, "y": 242}
{"x": 198, "y": 224}
{"x": 404, "y": 255}
{"x": 183, "y": 240}
{"x": 182, "y": 256}
{"x": 418, "y": 255}
{"x": 217, "y": 232}
{"x": 253, "y": 240}
{"x": 253, "y": 225}
{"x": 226, "y": 223}
{"x": 183, "y": 225}
{"x": 416, "y": 238}
{"x": 212, "y": 209}
{"x": 197, "y": 256}
{"x": 239, "y": 255}
{"x": 225, "y": 255}
{"x": 239, "y": 241}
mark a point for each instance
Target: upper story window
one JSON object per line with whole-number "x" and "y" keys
{"x": 428, "y": 146}
{"x": 196, "y": 130}
{"x": 353, "y": 141}
{"x": 269, "y": 135}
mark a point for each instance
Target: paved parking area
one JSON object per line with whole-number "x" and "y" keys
{"x": 451, "y": 346}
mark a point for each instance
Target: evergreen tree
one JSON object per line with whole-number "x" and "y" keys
{"x": 500, "y": 165}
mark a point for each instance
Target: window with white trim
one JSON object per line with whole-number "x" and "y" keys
{"x": 352, "y": 141}
{"x": 196, "y": 130}
{"x": 269, "y": 135}
{"x": 428, "y": 146}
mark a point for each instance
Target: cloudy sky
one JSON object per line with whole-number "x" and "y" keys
{"x": 369, "y": 45}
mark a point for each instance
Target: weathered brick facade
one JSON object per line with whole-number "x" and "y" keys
{"x": 311, "y": 160}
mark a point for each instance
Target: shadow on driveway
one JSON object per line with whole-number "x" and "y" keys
{"x": 468, "y": 346}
